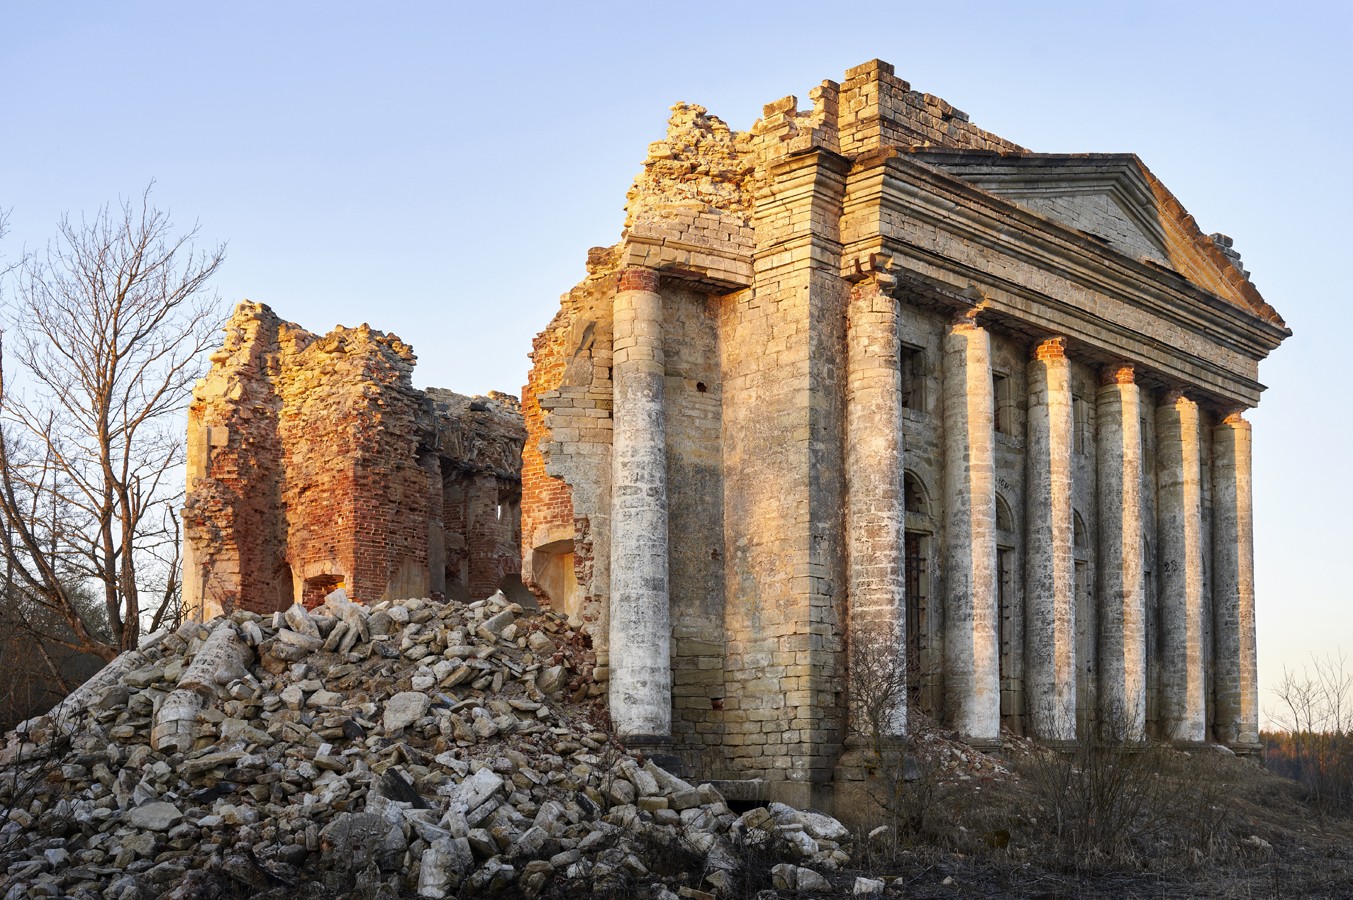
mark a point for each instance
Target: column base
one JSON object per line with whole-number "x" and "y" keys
{"x": 1193, "y": 746}
{"x": 985, "y": 744}
{"x": 658, "y": 748}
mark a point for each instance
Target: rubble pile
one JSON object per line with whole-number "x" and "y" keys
{"x": 411, "y": 748}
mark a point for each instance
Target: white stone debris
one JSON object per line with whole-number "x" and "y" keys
{"x": 431, "y": 750}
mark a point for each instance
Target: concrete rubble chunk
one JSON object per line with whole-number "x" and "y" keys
{"x": 403, "y": 709}
{"x": 789, "y": 877}
{"x": 551, "y": 679}
{"x": 495, "y": 625}
{"x": 327, "y": 765}
{"x": 156, "y": 816}
{"x": 299, "y": 620}
{"x": 867, "y": 887}
{"x": 474, "y": 791}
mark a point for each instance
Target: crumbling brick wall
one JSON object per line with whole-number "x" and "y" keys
{"x": 315, "y": 463}
{"x": 566, "y": 472}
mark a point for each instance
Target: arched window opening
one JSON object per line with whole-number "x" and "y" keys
{"x": 914, "y": 495}
{"x": 916, "y": 567}
{"x": 1086, "y": 627}
{"x": 1007, "y": 605}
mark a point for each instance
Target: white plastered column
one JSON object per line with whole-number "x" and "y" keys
{"x": 971, "y": 651}
{"x": 1180, "y": 538}
{"x": 875, "y": 510}
{"x": 1122, "y": 592}
{"x": 1050, "y": 644}
{"x": 640, "y": 618}
{"x": 1234, "y": 662}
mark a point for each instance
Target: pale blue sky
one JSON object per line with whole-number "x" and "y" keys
{"x": 439, "y": 170}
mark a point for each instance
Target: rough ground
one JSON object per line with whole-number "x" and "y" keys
{"x": 1153, "y": 823}
{"x": 407, "y": 749}
{"x": 421, "y": 749}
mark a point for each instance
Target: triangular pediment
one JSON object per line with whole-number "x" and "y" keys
{"x": 1116, "y": 200}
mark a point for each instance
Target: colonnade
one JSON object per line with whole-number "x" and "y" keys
{"x": 971, "y": 666}
{"x": 640, "y": 619}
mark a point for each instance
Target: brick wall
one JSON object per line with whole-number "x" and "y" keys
{"x": 317, "y": 464}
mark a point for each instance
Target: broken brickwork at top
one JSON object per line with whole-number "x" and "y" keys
{"x": 314, "y": 463}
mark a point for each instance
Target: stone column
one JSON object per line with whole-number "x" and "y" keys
{"x": 971, "y": 651}
{"x": 1049, "y": 567}
{"x": 875, "y": 510}
{"x": 1122, "y": 593}
{"x": 1179, "y": 476}
{"x": 640, "y": 620}
{"x": 1234, "y": 663}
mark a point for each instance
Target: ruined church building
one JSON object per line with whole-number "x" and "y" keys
{"x": 868, "y": 372}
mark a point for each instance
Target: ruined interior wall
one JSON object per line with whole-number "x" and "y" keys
{"x": 1010, "y": 359}
{"x": 566, "y": 461}
{"x": 315, "y": 463}
{"x": 1085, "y": 502}
{"x": 922, "y": 331}
{"x": 356, "y": 500}
{"x": 478, "y": 446}
{"x": 456, "y": 564}
{"x": 693, "y": 419}
{"x": 486, "y": 526}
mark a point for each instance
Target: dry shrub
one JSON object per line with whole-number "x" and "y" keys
{"x": 1112, "y": 803}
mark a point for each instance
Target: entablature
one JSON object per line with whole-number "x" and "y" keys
{"x": 1035, "y": 276}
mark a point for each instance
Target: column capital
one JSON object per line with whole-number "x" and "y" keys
{"x": 875, "y": 272}
{"x": 1052, "y": 348}
{"x": 1117, "y": 373}
{"x": 1173, "y": 396}
{"x": 964, "y": 320}
{"x": 639, "y": 278}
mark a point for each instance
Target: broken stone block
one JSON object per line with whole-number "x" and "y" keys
{"x": 403, "y": 709}
{"x": 156, "y": 816}
{"x": 867, "y": 887}
{"x": 789, "y": 877}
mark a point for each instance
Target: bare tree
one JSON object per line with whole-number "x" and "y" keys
{"x": 105, "y": 332}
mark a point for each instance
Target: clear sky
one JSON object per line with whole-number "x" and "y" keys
{"x": 440, "y": 169}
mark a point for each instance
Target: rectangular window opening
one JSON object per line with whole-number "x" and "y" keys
{"x": 913, "y": 378}
{"x": 1002, "y": 404}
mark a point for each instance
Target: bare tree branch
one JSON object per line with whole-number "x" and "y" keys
{"x": 109, "y": 326}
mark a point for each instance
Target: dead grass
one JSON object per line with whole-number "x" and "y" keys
{"x": 1199, "y": 824}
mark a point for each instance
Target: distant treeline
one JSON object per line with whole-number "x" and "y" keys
{"x": 1322, "y": 761}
